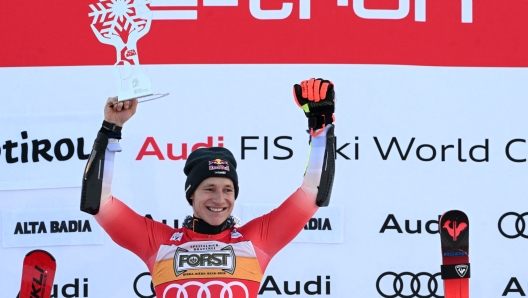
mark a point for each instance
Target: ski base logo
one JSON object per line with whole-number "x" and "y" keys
{"x": 38, "y": 272}
{"x": 461, "y": 270}
{"x": 455, "y": 229}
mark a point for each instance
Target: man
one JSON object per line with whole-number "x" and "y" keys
{"x": 211, "y": 255}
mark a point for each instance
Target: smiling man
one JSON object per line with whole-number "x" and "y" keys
{"x": 212, "y": 255}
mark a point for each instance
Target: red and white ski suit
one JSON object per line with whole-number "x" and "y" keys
{"x": 186, "y": 264}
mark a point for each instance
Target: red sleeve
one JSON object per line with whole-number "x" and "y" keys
{"x": 140, "y": 235}
{"x": 272, "y": 231}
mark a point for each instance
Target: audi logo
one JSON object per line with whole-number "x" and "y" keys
{"x": 398, "y": 285}
{"x": 204, "y": 289}
{"x": 136, "y": 290}
{"x": 520, "y": 225}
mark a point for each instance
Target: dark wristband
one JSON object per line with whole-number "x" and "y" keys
{"x": 111, "y": 126}
{"x": 111, "y": 130}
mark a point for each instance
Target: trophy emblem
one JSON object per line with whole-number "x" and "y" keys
{"x": 122, "y": 23}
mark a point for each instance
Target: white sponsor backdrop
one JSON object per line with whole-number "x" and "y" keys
{"x": 49, "y": 227}
{"x": 435, "y": 105}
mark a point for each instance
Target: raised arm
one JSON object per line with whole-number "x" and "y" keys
{"x": 97, "y": 178}
{"x": 271, "y": 232}
{"x": 117, "y": 219}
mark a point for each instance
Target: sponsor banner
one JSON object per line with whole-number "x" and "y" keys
{"x": 412, "y": 143}
{"x": 326, "y": 226}
{"x": 271, "y": 285}
{"x": 512, "y": 225}
{"x": 417, "y": 32}
{"x": 73, "y": 287}
{"x": 514, "y": 287}
{"x": 421, "y": 284}
{"x": 51, "y": 227}
{"x": 45, "y": 150}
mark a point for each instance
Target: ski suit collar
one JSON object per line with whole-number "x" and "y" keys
{"x": 198, "y": 225}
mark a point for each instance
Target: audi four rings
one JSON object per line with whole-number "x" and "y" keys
{"x": 415, "y": 286}
{"x": 204, "y": 289}
{"x": 519, "y": 228}
{"x": 202, "y": 292}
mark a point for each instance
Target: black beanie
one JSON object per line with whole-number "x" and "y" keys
{"x": 209, "y": 162}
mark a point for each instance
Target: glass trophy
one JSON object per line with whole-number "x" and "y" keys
{"x": 122, "y": 23}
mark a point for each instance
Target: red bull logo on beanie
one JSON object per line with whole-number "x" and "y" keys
{"x": 218, "y": 164}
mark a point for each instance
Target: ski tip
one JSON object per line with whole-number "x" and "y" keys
{"x": 42, "y": 251}
{"x": 454, "y": 229}
{"x": 454, "y": 214}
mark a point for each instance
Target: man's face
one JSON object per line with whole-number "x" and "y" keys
{"x": 214, "y": 200}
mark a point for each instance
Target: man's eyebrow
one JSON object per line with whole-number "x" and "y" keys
{"x": 213, "y": 184}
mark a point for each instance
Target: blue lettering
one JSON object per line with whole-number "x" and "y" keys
{"x": 455, "y": 254}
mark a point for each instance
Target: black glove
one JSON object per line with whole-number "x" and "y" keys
{"x": 317, "y": 99}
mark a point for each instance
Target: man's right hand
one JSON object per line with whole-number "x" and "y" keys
{"x": 119, "y": 113}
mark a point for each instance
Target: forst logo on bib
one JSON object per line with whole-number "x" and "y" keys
{"x": 223, "y": 259}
